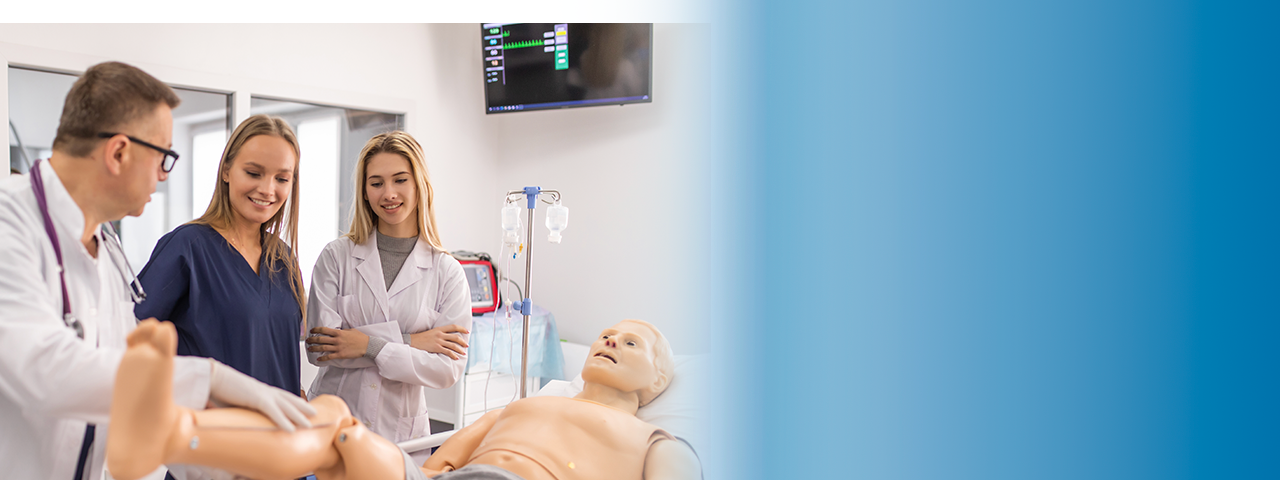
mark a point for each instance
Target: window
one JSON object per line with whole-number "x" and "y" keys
{"x": 331, "y": 139}
{"x": 200, "y": 126}
{"x": 206, "y": 154}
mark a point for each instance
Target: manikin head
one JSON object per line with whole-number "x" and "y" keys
{"x": 109, "y": 113}
{"x": 631, "y": 356}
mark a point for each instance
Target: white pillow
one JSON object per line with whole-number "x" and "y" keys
{"x": 680, "y": 409}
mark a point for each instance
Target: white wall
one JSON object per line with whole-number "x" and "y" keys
{"x": 637, "y": 179}
{"x": 338, "y": 64}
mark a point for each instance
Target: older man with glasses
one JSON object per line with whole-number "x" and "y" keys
{"x": 66, "y": 309}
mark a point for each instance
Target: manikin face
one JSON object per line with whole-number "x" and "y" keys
{"x": 622, "y": 357}
{"x": 260, "y": 178}
{"x": 140, "y": 168}
{"x": 391, "y": 192}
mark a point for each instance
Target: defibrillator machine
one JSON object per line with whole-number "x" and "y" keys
{"x": 482, "y": 277}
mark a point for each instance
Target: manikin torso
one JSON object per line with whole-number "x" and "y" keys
{"x": 568, "y": 438}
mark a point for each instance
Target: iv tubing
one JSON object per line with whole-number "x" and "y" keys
{"x": 511, "y": 342}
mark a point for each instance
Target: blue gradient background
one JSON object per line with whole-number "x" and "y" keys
{"x": 1010, "y": 240}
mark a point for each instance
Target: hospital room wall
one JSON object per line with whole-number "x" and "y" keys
{"x": 319, "y": 62}
{"x": 640, "y": 182}
{"x": 643, "y": 182}
{"x": 639, "y": 179}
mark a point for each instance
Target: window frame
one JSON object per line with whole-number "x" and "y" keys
{"x": 241, "y": 88}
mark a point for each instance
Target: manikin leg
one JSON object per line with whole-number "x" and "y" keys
{"x": 148, "y": 429}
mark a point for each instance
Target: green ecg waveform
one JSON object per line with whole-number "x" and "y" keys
{"x": 524, "y": 44}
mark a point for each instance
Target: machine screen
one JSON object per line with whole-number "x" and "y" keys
{"x": 478, "y": 278}
{"x": 538, "y": 66}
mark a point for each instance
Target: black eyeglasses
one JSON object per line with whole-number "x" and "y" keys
{"x": 170, "y": 156}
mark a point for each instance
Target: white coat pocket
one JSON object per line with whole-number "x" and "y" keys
{"x": 412, "y": 427}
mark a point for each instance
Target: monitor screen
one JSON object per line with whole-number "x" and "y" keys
{"x": 478, "y": 279}
{"x": 539, "y": 66}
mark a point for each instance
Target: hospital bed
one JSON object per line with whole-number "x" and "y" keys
{"x": 493, "y": 366}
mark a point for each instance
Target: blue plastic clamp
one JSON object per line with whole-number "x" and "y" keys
{"x": 532, "y": 194}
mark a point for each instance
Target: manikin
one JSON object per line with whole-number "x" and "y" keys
{"x": 594, "y": 435}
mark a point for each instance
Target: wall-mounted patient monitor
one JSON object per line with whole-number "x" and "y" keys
{"x": 539, "y": 66}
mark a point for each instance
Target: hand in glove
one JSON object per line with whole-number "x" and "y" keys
{"x": 230, "y": 387}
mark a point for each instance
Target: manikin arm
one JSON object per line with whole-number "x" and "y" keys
{"x": 457, "y": 450}
{"x": 147, "y": 429}
{"x": 671, "y": 460}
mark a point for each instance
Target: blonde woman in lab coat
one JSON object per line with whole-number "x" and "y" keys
{"x": 392, "y": 308}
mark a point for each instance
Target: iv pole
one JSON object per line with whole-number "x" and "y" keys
{"x": 526, "y": 305}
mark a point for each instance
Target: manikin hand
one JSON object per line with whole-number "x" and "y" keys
{"x": 230, "y": 387}
{"x": 339, "y": 343}
{"x": 441, "y": 340}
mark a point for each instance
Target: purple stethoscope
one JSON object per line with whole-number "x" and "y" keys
{"x": 113, "y": 248}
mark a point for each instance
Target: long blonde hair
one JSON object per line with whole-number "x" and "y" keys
{"x": 362, "y": 217}
{"x": 220, "y": 213}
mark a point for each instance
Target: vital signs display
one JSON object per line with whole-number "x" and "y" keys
{"x": 539, "y": 66}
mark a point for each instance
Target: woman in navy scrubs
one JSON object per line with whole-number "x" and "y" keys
{"x": 227, "y": 280}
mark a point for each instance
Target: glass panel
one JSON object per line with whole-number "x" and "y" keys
{"x": 201, "y": 125}
{"x": 331, "y": 139}
{"x": 35, "y": 106}
{"x": 202, "y": 118}
{"x": 206, "y": 153}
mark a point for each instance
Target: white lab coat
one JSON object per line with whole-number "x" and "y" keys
{"x": 348, "y": 291}
{"x": 51, "y": 382}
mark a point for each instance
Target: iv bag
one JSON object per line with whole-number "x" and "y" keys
{"x": 511, "y": 224}
{"x": 557, "y": 220}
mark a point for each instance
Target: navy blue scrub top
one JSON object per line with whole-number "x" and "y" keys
{"x": 222, "y": 309}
